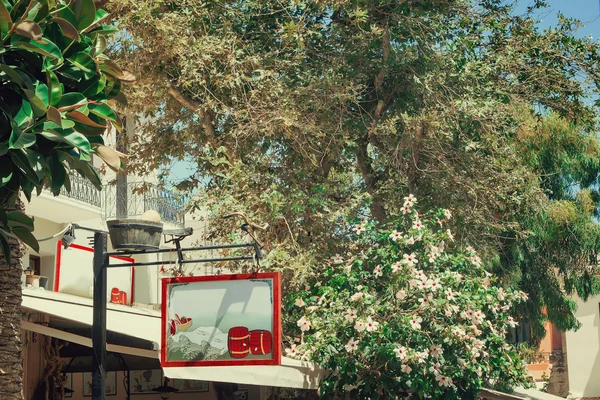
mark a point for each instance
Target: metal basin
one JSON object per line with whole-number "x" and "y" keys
{"x": 134, "y": 234}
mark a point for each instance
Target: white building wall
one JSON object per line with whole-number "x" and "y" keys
{"x": 583, "y": 350}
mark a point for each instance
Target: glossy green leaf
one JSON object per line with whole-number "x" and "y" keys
{"x": 58, "y": 173}
{"x": 37, "y": 105}
{"x": 6, "y": 173}
{"x": 17, "y": 218}
{"x": 84, "y": 62}
{"x": 15, "y": 76}
{"x": 27, "y": 238}
{"x": 25, "y": 115}
{"x": 70, "y": 137}
{"x": 21, "y": 161}
{"x": 84, "y": 11}
{"x": 19, "y": 139}
{"x": 55, "y": 88}
{"x": 71, "y": 101}
{"x": 36, "y": 161}
{"x": 54, "y": 115}
{"x": 102, "y": 30}
{"x": 100, "y": 44}
{"x": 103, "y": 111}
{"x": 47, "y": 48}
{"x": 41, "y": 91}
{"x": 67, "y": 14}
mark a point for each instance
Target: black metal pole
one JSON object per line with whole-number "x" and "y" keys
{"x": 99, "y": 317}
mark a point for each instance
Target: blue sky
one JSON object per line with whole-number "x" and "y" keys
{"x": 587, "y": 11}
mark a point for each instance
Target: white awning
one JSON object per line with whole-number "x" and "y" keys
{"x": 291, "y": 373}
{"x": 145, "y": 324}
{"x": 131, "y": 321}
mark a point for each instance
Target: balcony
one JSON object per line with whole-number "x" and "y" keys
{"x": 137, "y": 198}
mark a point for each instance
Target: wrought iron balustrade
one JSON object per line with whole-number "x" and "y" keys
{"x": 82, "y": 190}
{"x": 139, "y": 197}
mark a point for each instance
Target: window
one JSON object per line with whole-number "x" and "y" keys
{"x": 35, "y": 264}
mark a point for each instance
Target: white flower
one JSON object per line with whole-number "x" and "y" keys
{"x": 425, "y": 301}
{"x": 410, "y": 241}
{"x": 443, "y": 380}
{"x": 434, "y": 284}
{"x": 299, "y": 302}
{"x": 523, "y": 296}
{"x": 359, "y": 228}
{"x": 422, "y": 356}
{"x": 406, "y": 369}
{"x": 478, "y": 317}
{"x": 447, "y": 214}
{"x": 401, "y": 352}
{"x": 417, "y": 224}
{"x": 371, "y": 325}
{"x": 291, "y": 352}
{"x": 450, "y": 294}
{"x": 304, "y": 324}
{"x": 397, "y": 266}
{"x": 351, "y": 345}
{"x": 405, "y": 209}
{"x": 378, "y": 271}
{"x": 410, "y": 200}
{"x": 357, "y": 296}
{"x": 436, "y": 369}
{"x": 415, "y": 322}
{"x": 348, "y": 269}
{"x": 512, "y": 322}
{"x": 450, "y": 235}
{"x": 459, "y": 331}
{"x": 337, "y": 259}
{"x": 501, "y": 294}
{"x": 360, "y": 325}
{"x": 350, "y": 315}
{"x": 471, "y": 250}
{"x": 419, "y": 274}
{"x": 409, "y": 259}
{"x": 395, "y": 236}
{"x": 475, "y": 260}
{"x": 401, "y": 294}
{"x": 436, "y": 351}
{"x": 478, "y": 344}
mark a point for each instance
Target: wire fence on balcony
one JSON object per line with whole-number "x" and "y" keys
{"x": 82, "y": 190}
{"x": 139, "y": 197}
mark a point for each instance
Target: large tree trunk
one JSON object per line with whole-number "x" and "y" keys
{"x": 11, "y": 357}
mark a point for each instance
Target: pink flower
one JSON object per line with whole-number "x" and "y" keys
{"x": 436, "y": 351}
{"x": 351, "y": 345}
{"x": 299, "y": 302}
{"x": 395, "y": 236}
{"x": 359, "y": 228}
{"x": 350, "y": 315}
{"x": 291, "y": 352}
{"x": 378, "y": 271}
{"x": 406, "y": 369}
{"x": 304, "y": 324}
{"x": 371, "y": 325}
{"x": 443, "y": 380}
{"x": 415, "y": 322}
{"x": 409, "y": 259}
{"x": 401, "y": 352}
{"x": 410, "y": 200}
{"x": 360, "y": 325}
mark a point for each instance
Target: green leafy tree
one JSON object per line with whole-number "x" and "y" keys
{"x": 297, "y": 113}
{"x": 405, "y": 313}
{"x": 57, "y": 92}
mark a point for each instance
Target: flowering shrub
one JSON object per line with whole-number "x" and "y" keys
{"x": 405, "y": 314}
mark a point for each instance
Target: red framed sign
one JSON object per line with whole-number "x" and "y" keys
{"x": 221, "y": 320}
{"x": 74, "y": 274}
